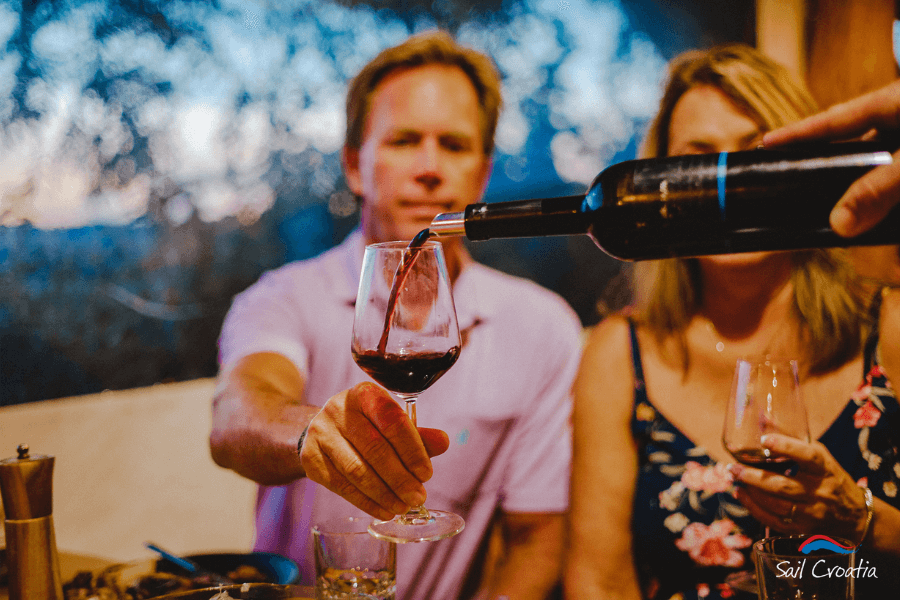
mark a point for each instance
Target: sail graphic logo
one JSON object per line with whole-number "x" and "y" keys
{"x": 821, "y": 546}
{"x": 823, "y": 542}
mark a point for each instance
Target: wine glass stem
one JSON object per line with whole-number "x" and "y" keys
{"x": 416, "y": 514}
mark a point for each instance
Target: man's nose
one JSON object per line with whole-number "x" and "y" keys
{"x": 429, "y": 168}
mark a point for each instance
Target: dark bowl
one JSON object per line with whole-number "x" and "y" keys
{"x": 250, "y": 591}
{"x": 276, "y": 568}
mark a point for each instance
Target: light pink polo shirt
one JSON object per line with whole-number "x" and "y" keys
{"x": 505, "y": 404}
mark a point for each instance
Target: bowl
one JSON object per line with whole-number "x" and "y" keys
{"x": 161, "y": 578}
{"x": 275, "y": 568}
{"x": 248, "y": 591}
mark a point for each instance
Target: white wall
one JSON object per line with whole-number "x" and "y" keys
{"x": 134, "y": 466}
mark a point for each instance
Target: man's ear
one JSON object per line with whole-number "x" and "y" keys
{"x": 350, "y": 160}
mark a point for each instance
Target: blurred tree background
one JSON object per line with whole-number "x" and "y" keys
{"x": 157, "y": 156}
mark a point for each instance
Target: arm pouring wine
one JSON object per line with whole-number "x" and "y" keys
{"x": 680, "y": 206}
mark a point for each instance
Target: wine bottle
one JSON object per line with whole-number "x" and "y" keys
{"x": 696, "y": 205}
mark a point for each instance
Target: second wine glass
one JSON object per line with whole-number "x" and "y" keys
{"x": 765, "y": 398}
{"x": 405, "y": 336}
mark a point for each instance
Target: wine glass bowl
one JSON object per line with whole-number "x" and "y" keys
{"x": 765, "y": 398}
{"x": 405, "y": 337}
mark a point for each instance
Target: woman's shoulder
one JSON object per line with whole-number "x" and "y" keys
{"x": 611, "y": 336}
{"x": 604, "y": 387}
{"x": 607, "y": 352}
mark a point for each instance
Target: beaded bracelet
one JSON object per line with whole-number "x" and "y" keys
{"x": 870, "y": 511}
{"x": 306, "y": 430}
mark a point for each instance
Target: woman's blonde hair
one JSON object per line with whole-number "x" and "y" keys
{"x": 828, "y": 300}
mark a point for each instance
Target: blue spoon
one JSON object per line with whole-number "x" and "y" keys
{"x": 189, "y": 565}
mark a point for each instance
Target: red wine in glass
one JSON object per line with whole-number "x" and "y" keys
{"x": 406, "y": 373}
{"x": 757, "y": 458}
{"x": 405, "y": 336}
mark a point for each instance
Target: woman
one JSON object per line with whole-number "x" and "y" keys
{"x": 658, "y": 510}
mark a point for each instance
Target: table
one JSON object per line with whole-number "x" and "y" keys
{"x": 71, "y": 563}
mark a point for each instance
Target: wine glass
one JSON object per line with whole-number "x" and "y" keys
{"x": 405, "y": 336}
{"x": 765, "y": 398}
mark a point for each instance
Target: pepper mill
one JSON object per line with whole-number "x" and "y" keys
{"x": 26, "y": 483}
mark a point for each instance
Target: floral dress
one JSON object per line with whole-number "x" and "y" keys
{"x": 690, "y": 532}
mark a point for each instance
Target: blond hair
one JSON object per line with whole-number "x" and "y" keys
{"x": 436, "y": 47}
{"x": 828, "y": 300}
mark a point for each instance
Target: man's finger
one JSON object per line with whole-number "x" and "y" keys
{"x": 868, "y": 200}
{"x": 340, "y": 485}
{"x": 436, "y": 441}
{"x": 879, "y": 109}
{"x": 379, "y": 408}
{"x": 378, "y": 501}
{"x": 375, "y": 460}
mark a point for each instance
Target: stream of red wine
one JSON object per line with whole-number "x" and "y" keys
{"x": 406, "y": 263}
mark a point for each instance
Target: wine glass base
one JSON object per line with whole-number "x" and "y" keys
{"x": 439, "y": 525}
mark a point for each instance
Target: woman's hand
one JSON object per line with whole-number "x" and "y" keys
{"x": 821, "y": 498}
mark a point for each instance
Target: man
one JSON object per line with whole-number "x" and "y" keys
{"x": 420, "y": 126}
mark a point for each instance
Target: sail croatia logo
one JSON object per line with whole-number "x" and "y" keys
{"x": 821, "y": 568}
{"x": 823, "y": 542}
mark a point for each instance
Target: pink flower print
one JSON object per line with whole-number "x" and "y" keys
{"x": 866, "y": 416}
{"x": 670, "y": 498}
{"x": 702, "y": 590}
{"x": 715, "y": 478}
{"x": 876, "y": 371}
{"x": 862, "y": 393}
{"x": 713, "y": 545}
{"x": 725, "y": 590}
{"x": 863, "y": 482}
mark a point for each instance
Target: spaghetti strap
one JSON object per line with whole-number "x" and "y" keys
{"x": 636, "y": 356}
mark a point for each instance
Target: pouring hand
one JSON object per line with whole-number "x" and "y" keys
{"x": 363, "y": 447}
{"x": 872, "y": 196}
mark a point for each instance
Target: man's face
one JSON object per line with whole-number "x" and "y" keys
{"x": 421, "y": 154}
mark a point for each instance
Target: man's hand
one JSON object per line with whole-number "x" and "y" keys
{"x": 876, "y": 114}
{"x": 364, "y": 448}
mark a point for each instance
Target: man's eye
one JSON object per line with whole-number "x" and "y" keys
{"x": 454, "y": 145}
{"x": 401, "y": 141}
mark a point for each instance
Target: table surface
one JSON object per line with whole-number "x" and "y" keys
{"x": 71, "y": 563}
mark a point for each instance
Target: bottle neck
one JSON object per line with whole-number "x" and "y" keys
{"x": 522, "y": 218}
{"x": 448, "y": 224}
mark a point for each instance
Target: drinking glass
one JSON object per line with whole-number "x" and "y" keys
{"x": 786, "y": 570}
{"x": 405, "y": 336}
{"x": 351, "y": 564}
{"x": 765, "y": 398}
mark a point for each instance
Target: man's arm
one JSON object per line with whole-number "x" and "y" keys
{"x": 872, "y": 196}
{"x": 530, "y": 565}
{"x": 360, "y": 445}
{"x": 257, "y": 418}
